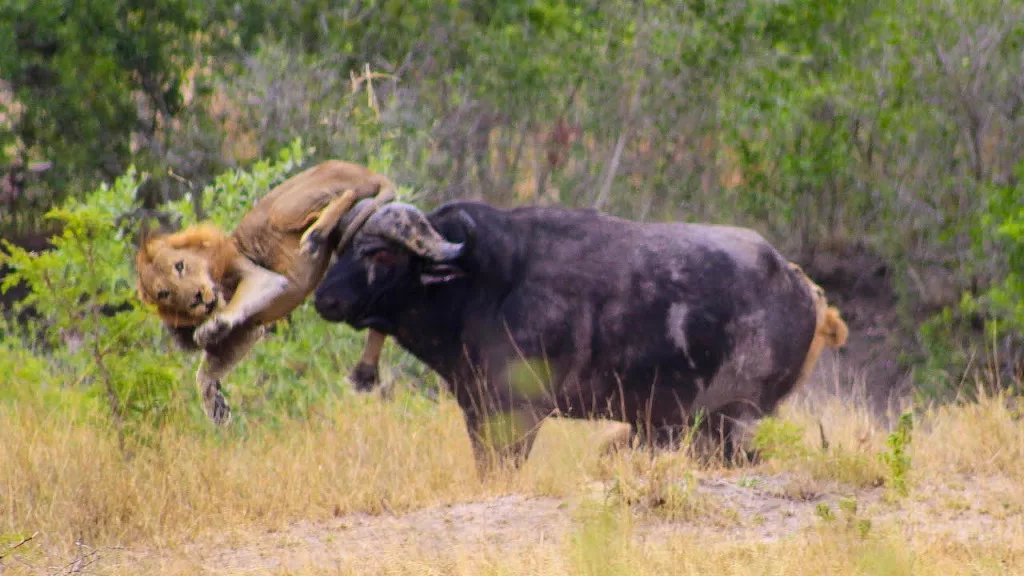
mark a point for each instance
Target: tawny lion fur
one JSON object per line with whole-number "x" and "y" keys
{"x": 831, "y": 329}
{"x": 217, "y": 291}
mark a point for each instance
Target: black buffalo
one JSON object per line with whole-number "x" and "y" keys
{"x": 541, "y": 310}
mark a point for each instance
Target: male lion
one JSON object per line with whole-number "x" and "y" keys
{"x": 217, "y": 291}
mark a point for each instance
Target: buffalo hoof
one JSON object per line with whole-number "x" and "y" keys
{"x": 751, "y": 457}
{"x": 364, "y": 377}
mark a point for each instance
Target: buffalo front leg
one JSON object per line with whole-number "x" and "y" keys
{"x": 216, "y": 363}
{"x": 503, "y": 440}
{"x": 365, "y": 374}
{"x": 727, "y": 436}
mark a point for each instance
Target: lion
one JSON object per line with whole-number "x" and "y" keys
{"x": 218, "y": 291}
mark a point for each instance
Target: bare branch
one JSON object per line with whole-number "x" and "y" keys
{"x": 18, "y": 545}
{"x": 620, "y": 143}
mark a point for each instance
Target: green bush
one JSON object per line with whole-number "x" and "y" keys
{"x": 96, "y": 344}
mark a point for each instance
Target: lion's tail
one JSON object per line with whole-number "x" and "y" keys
{"x": 833, "y": 328}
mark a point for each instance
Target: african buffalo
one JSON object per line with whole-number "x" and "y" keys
{"x": 535, "y": 311}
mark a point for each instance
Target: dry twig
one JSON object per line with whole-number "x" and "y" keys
{"x": 18, "y": 545}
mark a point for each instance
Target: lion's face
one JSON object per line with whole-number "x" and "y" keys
{"x": 178, "y": 275}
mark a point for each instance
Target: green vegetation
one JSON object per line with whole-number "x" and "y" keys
{"x": 896, "y": 458}
{"x": 93, "y": 340}
{"x": 872, "y": 125}
{"x": 840, "y": 128}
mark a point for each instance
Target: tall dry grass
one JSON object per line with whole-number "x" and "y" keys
{"x": 69, "y": 480}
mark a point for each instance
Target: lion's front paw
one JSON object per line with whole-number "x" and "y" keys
{"x": 213, "y": 331}
{"x": 311, "y": 242}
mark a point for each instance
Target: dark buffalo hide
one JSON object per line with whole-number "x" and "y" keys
{"x": 580, "y": 314}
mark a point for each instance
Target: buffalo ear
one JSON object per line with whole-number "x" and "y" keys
{"x": 440, "y": 273}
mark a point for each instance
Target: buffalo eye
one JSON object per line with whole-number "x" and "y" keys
{"x": 179, "y": 266}
{"x": 384, "y": 257}
{"x": 163, "y": 294}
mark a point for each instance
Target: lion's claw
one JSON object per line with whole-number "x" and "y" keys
{"x": 212, "y": 331}
{"x": 311, "y": 242}
{"x": 216, "y": 405}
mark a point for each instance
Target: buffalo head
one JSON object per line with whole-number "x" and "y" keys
{"x": 394, "y": 256}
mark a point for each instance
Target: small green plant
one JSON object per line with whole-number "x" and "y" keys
{"x": 896, "y": 458}
{"x": 848, "y": 506}
{"x": 781, "y": 439}
{"x": 751, "y": 482}
{"x": 824, "y": 511}
{"x": 863, "y": 527}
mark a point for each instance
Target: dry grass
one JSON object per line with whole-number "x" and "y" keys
{"x": 824, "y": 553}
{"x": 69, "y": 481}
{"x": 602, "y": 542}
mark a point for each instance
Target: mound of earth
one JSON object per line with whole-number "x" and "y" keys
{"x": 860, "y": 284}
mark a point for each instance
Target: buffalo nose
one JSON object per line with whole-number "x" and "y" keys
{"x": 324, "y": 302}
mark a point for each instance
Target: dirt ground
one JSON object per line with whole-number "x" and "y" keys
{"x": 752, "y": 508}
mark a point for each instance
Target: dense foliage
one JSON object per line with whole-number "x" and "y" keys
{"x": 893, "y": 127}
{"x": 94, "y": 344}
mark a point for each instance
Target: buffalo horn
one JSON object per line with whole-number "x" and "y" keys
{"x": 405, "y": 224}
{"x": 360, "y": 213}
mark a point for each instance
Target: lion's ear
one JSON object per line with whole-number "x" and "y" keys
{"x": 139, "y": 292}
{"x": 147, "y": 233}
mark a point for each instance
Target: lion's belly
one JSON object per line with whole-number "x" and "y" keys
{"x": 303, "y": 278}
{"x": 281, "y": 307}
{"x": 278, "y": 250}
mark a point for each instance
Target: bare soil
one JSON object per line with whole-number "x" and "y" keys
{"x": 759, "y": 508}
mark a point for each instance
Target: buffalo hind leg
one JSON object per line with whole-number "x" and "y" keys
{"x": 725, "y": 437}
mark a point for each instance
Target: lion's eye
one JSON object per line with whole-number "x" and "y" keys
{"x": 179, "y": 266}
{"x": 163, "y": 294}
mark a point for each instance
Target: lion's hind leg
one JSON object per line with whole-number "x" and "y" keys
{"x": 314, "y": 237}
{"x": 217, "y": 362}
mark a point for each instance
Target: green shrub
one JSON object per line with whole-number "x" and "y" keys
{"x": 97, "y": 345}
